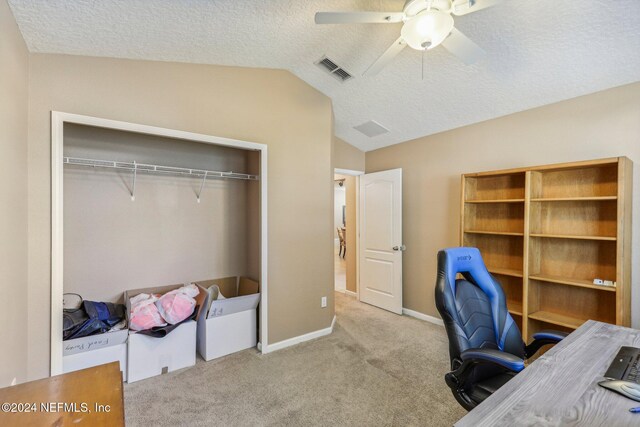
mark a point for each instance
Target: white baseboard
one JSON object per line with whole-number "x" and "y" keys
{"x": 350, "y": 293}
{"x": 423, "y": 316}
{"x": 300, "y": 339}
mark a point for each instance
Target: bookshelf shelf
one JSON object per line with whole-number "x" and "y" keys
{"x": 574, "y": 199}
{"x": 496, "y": 201}
{"x": 573, "y": 282}
{"x": 495, "y": 233}
{"x": 557, "y": 319}
{"x": 576, "y": 237}
{"x": 505, "y": 272}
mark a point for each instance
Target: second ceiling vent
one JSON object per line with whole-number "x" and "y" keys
{"x": 333, "y": 69}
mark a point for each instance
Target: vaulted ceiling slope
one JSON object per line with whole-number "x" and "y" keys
{"x": 538, "y": 52}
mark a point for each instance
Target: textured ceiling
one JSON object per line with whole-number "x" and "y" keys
{"x": 539, "y": 52}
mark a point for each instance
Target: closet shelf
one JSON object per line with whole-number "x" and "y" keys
{"x": 157, "y": 169}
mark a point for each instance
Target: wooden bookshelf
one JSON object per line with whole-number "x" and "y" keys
{"x": 546, "y": 232}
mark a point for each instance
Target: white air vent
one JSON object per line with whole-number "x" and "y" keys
{"x": 371, "y": 128}
{"x": 333, "y": 69}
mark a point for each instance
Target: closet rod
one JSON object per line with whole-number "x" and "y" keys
{"x": 167, "y": 170}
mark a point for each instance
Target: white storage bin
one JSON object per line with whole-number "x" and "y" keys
{"x": 149, "y": 356}
{"x": 231, "y": 323}
{"x": 94, "y": 350}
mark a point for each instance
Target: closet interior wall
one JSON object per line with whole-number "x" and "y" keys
{"x": 165, "y": 236}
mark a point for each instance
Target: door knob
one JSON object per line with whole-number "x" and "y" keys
{"x": 400, "y": 248}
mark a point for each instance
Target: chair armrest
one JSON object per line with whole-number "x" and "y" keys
{"x": 506, "y": 360}
{"x": 551, "y": 335}
{"x": 463, "y": 371}
{"x": 543, "y": 338}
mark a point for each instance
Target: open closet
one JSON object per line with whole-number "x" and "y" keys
{"x": 137, "y": 206}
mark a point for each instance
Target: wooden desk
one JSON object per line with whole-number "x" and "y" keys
{"x": 95, "y": 388}
{"x": 560, "y": 388}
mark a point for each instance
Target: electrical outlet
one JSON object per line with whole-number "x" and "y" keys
{"x": 323, "y": 302}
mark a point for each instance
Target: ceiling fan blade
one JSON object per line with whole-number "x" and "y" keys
{"x": 386, "y": 57}
{"x": 462, "y": 47}
{"x": 358, "y": 17}
{"x": 463, "y": 7}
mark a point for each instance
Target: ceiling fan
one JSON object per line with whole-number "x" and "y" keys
{"x": 426, "y": 25}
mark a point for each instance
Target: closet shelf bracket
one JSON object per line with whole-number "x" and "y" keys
{"x": 204, "y": 178}
{"x": 133, "y": 187}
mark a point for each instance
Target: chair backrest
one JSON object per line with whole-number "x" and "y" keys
{"x": 340, "y": 235}
{"x": 473, "y": 309}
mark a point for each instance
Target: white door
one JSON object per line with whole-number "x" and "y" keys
{"x": 381, "y": 239}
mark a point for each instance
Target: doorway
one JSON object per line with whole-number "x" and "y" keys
{"x": 340, "y": 226}
{"x": 345, "y": 231}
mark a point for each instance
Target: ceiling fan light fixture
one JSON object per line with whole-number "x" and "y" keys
{"x": 427, "y": 29}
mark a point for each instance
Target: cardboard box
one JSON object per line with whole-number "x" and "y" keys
{"x": 94, "y": 350}
{"x": 231, "y": 323}
{"x": 98, "y": 356}
{"x": 94, "y": 342}
{"x": 149, "y": 356}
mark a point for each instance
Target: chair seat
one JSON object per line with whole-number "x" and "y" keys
{"x": 483, "y": 389}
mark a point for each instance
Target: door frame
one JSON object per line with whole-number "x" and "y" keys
{"x": 58, "y": 119}
{"x": 356, "y": 174}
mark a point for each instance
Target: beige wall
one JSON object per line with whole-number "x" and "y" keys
{"x": 14, "y": 68}
{"x": 604, "y": 124}
{"x": 346, "y": 156}
{"x": 223, "y": 101}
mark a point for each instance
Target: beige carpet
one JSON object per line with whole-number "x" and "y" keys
{"x": 376, "y": 369}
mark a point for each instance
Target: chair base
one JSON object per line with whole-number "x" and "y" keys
{"x": 476, "y": 394}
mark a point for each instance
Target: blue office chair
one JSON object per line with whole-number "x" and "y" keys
{"x": 485, "y": 344}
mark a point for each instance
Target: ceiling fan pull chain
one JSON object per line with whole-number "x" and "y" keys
{"x": 424, "y": 52}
